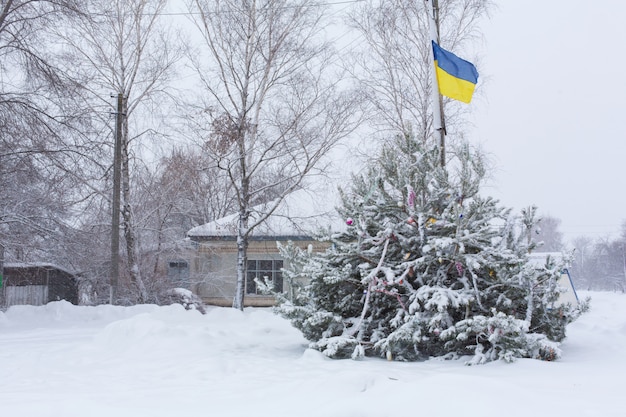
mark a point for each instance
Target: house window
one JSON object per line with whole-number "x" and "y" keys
{"x": 178, "y": 272}
{"x": 262, "y": 269}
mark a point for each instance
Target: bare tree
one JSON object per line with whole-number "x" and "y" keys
{"x": 549, "y": 234}
{"x": 581, "y": 273}
{"x": 608, "y": 263}
{"x": 119, "y": 46}
{"x": 196, "y": 188}
{"x": 32, "y": 206}
{"x": 272, "y": 103}
{"x": 36, "y": 127}
{"x": 179, "y": 193}
{"x": 393, "y": 63}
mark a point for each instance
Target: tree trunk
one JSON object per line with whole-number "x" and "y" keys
{"x": 129, "y": 232}
{"x": 242, "y": 229}
{"x": 242, "y": 260}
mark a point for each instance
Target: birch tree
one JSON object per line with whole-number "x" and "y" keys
{"x": 270, "y": 100}
{"x": 120, "y": 47}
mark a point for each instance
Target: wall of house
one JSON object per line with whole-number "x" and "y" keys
{"x": 213, "y": 269}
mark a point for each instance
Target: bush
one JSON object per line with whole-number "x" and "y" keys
{"x": 183, "y": 296}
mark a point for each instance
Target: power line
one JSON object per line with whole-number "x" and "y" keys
{"x": 330, "y": 3}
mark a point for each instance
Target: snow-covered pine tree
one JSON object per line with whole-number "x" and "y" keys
{"x": 427, "y": 267}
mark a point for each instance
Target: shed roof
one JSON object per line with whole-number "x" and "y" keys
{"x": 33, "y": 265}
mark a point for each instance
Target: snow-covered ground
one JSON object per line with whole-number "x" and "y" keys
{"x": 61, "y": 360}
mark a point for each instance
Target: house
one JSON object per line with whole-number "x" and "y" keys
{"x": 36, "y": 284}
{"x": 212, "y": 269}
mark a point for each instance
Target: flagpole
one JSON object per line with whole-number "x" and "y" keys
{"x": 432, "y": 8}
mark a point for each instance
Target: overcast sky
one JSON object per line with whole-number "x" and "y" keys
{"x": 551, "y": 110}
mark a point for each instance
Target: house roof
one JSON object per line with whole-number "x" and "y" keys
{"x": 299, "y": 215}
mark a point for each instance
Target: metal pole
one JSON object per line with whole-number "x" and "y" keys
{"x": 432, "y": 8}
{"x": 115, "y": 209}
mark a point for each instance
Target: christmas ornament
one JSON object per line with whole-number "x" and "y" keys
{"x": 411, "y": 196}
{"x": 349, "y": 221}
{"x": 459, "y": 268}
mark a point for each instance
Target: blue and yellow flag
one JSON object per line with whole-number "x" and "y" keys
{"x": 456, "y": 77}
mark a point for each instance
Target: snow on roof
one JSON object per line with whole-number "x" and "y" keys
{"x": 47, "y": 265}
{"x": 302, "y": 213}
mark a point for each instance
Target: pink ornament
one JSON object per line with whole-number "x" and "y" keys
{"x": 459, "y": 268}
{"x": 410, "y": 196}
{"x": 349, "y": 221}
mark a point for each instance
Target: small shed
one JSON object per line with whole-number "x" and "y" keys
{"x": 37, "y": 284}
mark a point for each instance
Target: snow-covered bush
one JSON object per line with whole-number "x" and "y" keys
{"x": 185, "y": 297}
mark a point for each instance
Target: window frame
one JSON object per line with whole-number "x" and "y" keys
{"x": 175, "y": 274}
{"x": 260, "y": 268}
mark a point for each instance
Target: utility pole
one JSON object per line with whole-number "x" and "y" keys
{"x": 115, "y": 209}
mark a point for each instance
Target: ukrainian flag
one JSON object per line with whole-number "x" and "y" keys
{"x": 456, "y": 77}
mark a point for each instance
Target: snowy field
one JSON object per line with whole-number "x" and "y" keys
{"x": 61, "y": 360}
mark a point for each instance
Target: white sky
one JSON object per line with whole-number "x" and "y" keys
{"x": 550, "y": 110}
